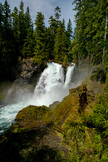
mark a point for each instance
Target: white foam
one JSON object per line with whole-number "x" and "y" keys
{"x": 50, "y": 88}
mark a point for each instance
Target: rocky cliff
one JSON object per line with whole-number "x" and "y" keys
{"x": 27, "y": 71}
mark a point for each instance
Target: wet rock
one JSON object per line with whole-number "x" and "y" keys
{"x": 26, "y": 70}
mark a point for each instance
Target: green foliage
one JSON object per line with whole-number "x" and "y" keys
{"x": 69, "y": 29}
{"x": 65, "y": 61}
{"x": 86, "y": 143}
{"x": 45, "y": 154}
{"x": 99, "y": 75}
{"x": 19, "y": 39}
{"x": 28, "y": 47}
{"x": 61, "y": 47}
{"x": 40, "y": 56}
{"x": 99, "y": 118}
{"x": 19, "y": 148}
{"x": 90, "y": 28}
{"x": 57, "y": 14}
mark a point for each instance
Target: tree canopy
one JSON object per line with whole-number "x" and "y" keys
{"x": 91, "y": 17}
{"x": 21, "y": 38}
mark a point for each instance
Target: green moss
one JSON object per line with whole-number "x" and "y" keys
{"x": 32, "y": 117}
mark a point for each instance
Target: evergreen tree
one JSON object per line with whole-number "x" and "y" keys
{"x": 7, "y": 16}
{"x": 90, "y": 27}
{"x": 15, "y": 29}
{"x": 62, "y": 24}
{"x": 59, "y": 45}
{"x": 57, "y": 14}
{"x": 39, "y": 54}
{"x": 28, "y": 47}
{"x": 69, "y": 29}
{"x": 22, "y": 29}
{"x": 50, "y": 41}
{"x": 53, "y": 24}
{"x": 8, "y": 49}
{"x": 15, "y": 22}
{"x": 29, "y": 41}
{"x": 28, "y": 22}
{"x": 1, "y": 16}
{"x": 65, "y": 61}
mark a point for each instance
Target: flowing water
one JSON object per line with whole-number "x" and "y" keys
{"x": 50, "y": 87}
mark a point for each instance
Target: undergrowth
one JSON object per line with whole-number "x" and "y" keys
{"x": 99, "y": 75}
{"x": 88, "y": 137}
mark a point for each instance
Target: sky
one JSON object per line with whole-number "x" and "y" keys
{"x": 46, "y": 7}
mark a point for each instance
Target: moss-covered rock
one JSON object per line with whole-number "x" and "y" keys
{"x": 32, "y": 117}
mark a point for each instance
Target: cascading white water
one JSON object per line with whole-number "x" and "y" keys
{"x": 69, "y": 74}
{"x": 51, "y": 77}
{"x": 51, "y": 87}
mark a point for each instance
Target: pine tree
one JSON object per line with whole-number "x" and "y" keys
{"x": 7, "y": 16}
{"x": 90, "y": 27}
{"x": 62, "y": 24}
{"x": 59, "y": 45}
{"x": 69, "y": 29}
{"x": 50, "y": 41}
{"x": 22, "y": 29}
{"x": 39, "y": 54}
{"x": 8, "y": 49}
{"x": 29, "y": 42}
{"x": 1, "y": 16}
{"x": 57, "y": 14}
{"x": 53, "y": 24}
{"x": 28, "y": 47}
{"x": 15, "y": 22}
{"x": 28, "y": 21}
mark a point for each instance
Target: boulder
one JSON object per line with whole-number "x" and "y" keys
{"x": 32, "y": 118}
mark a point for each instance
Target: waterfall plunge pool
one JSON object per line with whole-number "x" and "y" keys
{"x": 51, "y": 87}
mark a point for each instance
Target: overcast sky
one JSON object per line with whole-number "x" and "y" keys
{"x": 47, "y": 8}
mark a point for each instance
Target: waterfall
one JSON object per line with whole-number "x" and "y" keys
{"x": 50, "y": 87}
{"x": 69, "y": 74}
{"x": 51, "y": 77}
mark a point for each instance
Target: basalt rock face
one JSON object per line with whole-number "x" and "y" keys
{"x": 26, "y": 71}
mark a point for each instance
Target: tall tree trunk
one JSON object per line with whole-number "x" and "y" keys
{"x": 89, "y": 66}
{"x": 103, "y": 59}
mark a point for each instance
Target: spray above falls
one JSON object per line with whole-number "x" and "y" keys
{"x": 52, "y": 77}
{"x": 50, "y": 87}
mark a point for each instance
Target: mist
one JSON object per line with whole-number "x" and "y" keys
{"x": 50, "y": 88}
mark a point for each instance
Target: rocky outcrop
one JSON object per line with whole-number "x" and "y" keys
{"x": 26, "y": 70}
{"x": 32, "y": 117}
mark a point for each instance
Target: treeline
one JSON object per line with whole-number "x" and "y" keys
{"x": 91, "y": 38}
{"x": 21, "y": 38}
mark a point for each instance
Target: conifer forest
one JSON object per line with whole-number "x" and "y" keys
{"x": 20, "y": 37}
